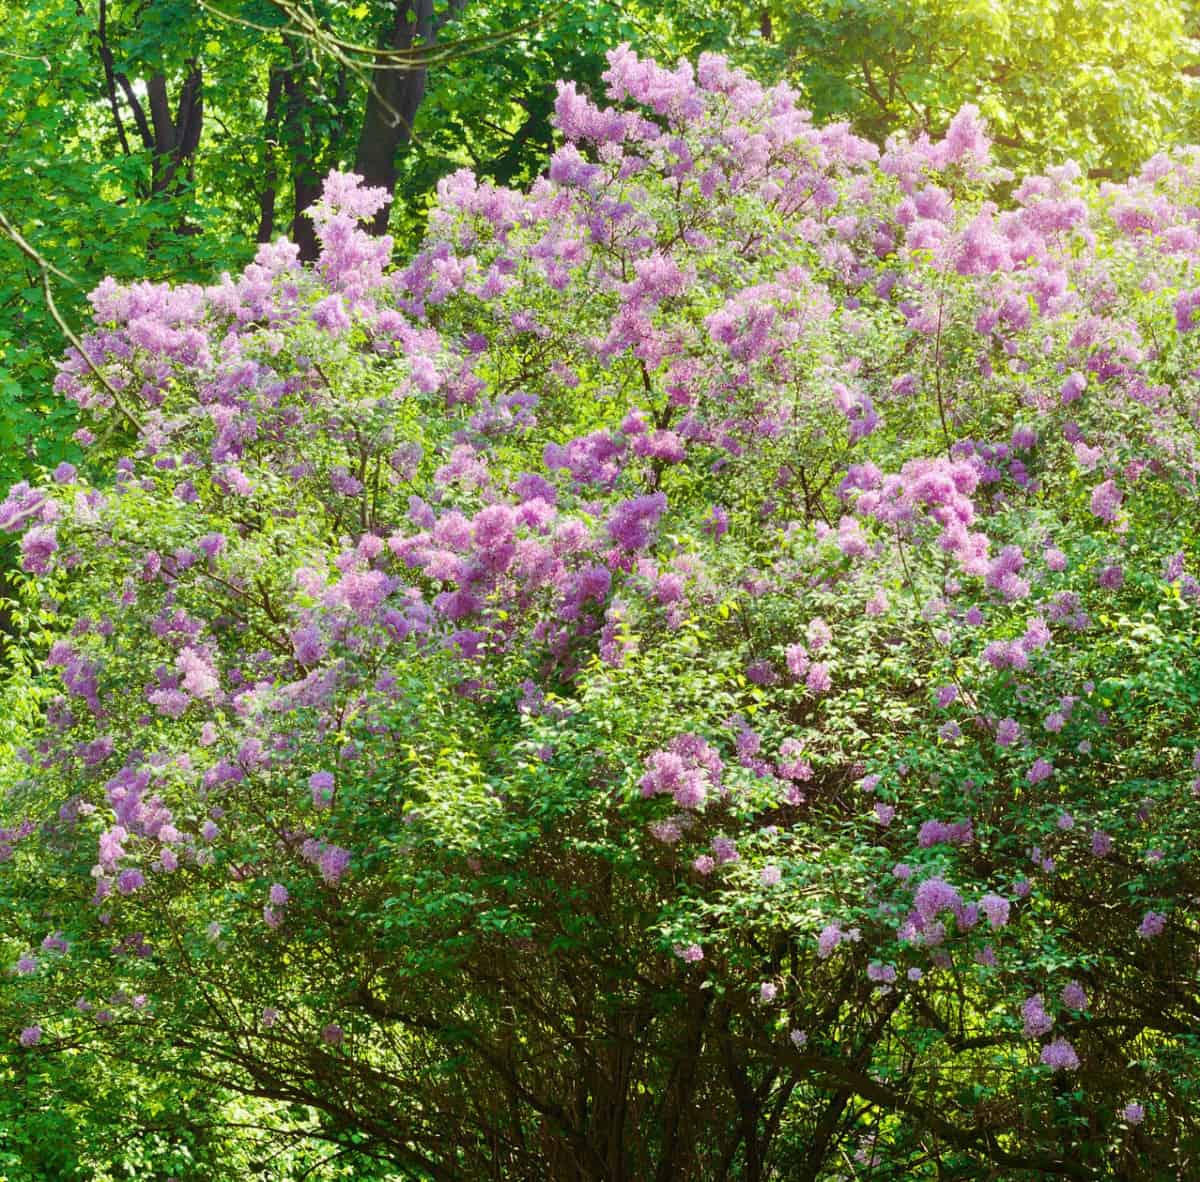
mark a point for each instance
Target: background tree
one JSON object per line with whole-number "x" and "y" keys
{"x": 1096, "y": 82}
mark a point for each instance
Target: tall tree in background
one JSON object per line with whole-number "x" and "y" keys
{"x": 1099, "y": 82}
{"x": 395, "y": 96}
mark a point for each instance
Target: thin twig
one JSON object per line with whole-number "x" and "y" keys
{"x": 46, "y": 269}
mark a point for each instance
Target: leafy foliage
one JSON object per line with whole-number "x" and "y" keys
{"x": 692, "y": 675}
{"x": 1096, "y": 82}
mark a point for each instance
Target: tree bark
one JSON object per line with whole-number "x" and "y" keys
{"x": 269, "y": 193}
{"x": 682, "y": 1086}
{"x": 306, "y": 186}
{"x": 175, "y": 138}
{"x": 393, "y": 100}
{"x": 110, "y": 78}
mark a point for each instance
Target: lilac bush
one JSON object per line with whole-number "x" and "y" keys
{"x": 671, "y": 613}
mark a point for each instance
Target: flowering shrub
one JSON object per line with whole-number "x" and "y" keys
{"x": 692, "y": 675}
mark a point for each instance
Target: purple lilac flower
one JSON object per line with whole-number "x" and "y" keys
{"x": 1036, "y": 1021}
{"x": 819, "y": 634}
{"x": 724, "y": 850}
{"x": 1152, "y": 925}
{"x": 717, "y": 522}
{"x": 211, "y": 544}
{"x": 797, "y": 660}
{"x": 31, "y": 1036}
{"x": 937, "y": 832}
{"x": 307, "y": 645}
{"x": 631, "y": 523}
{"x": 1134, "y": 1114}
{"x": 668, "y": 831}
{"x": 1008, "y": 731}
{"x": 1060, "y": 1055}
{"x": 934, "y": 896}
{"x": 1074, "y": 996}
{"x": 830, "y": 937}
{"x": 818, "y": 680}
{"x": 1037, "y": 635}
{"x": 761, "y": 673}
{"x": 1106, "y": 500}
{"x": 199, "y": 677}
{"x": 333, "y": 863}
{"x": 37, "y": 546}
{"x": 1073, "y": 387}
{"x": 996, "y": 908}
{"x": 330, "y": 314}
{"x": 687, "y": 769}
{"x": 321, "y": 784}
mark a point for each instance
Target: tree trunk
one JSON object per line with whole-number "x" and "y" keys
{"x": 110, "y": 77}
{"x": 306, "y": 185}
{"x": 269, "y": 193}
{"x": 175, "y": 139}
{"x": 393, "y": 100}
